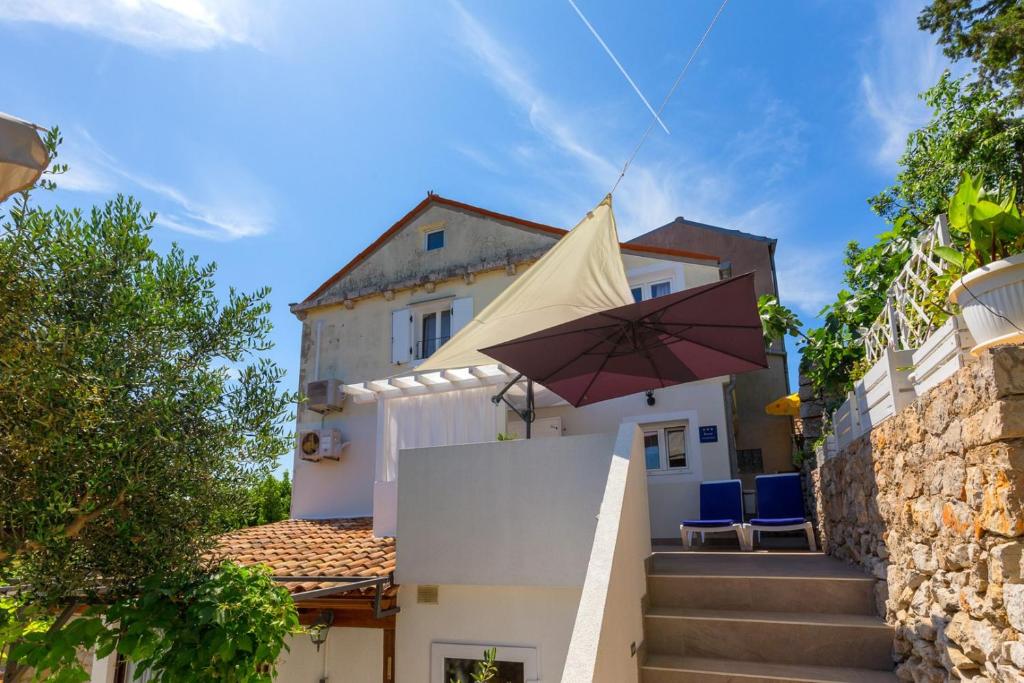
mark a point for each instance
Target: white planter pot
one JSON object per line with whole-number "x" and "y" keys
{"x": 991, "y": 299}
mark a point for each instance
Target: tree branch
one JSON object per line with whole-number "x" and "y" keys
{"x": 72, "y": 529}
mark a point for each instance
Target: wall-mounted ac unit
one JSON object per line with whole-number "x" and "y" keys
{"x": 325, "y": 395}
{"x": 321, "y": 444}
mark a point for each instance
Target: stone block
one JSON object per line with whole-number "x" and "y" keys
{"x": 1014, "y": 651}
{"x": 978, "y": 640}
{"x": 1002, "y": 507}
{"x": 924, "y": 559}
{"x": 1013, "y": 601}
{"x": 954, "y": 477}
{"x": 1000, "y": 421}
{"x": 1004, "y": 562}
{"x": 956, "y": 659}
{"x": 1007, "y": 370}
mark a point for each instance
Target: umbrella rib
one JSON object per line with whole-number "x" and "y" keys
{"x": 712, "y": 348}
{"x": 573, "y": 360}
{"x": 593, "y": 377}
{"x": 723, "y": 325}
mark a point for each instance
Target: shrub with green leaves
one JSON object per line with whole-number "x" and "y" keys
{"x": 986, "y": 226}
{"x": 230, "y": 625}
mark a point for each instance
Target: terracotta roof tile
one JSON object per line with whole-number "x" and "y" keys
{"x": 313, "y": 547}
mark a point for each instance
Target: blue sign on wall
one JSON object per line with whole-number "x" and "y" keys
{"x": 708, "y": 433}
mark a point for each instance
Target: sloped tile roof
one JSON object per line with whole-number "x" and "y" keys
{"x": 432, "y": 198}
{"x": 312, "y": 547}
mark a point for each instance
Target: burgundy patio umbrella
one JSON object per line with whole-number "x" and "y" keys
{"x": 690, "y": 335}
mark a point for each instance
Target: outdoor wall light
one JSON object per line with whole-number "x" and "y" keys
{"x": 650, "y": 398}
{"x": 318, "y": 631}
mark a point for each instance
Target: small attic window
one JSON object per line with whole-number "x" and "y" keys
{"x": 435, "y": 240}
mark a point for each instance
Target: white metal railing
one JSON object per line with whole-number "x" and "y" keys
{"x": 904, "y": 323}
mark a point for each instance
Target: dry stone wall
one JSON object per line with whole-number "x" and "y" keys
{"x": 931, "y": 502}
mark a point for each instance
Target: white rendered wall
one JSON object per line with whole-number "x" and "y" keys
{"x": 329, "y": 489}
{"x": 487, "y": 616}
{"x": 673, "y": 496}
{"x": 516, "y": 513}
{"x": 609, "y": 623}
{"x": 350, "y": 655}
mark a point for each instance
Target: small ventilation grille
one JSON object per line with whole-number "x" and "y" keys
{"x": 426, "y": 594}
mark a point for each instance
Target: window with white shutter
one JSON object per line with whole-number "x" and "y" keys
{"x": 401, "y": 336}
{"x": 462, "y": 313}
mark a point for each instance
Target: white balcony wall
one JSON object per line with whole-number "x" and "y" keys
{"x": 609, "y": 623}
{"x": 513, "y": 534}
{"x": 512, "y": 513}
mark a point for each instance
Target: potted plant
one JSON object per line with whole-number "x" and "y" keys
{"x": 988, "y": 236}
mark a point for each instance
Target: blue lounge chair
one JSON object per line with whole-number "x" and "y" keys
{"x": 780, "y": 506}
{"x": 721, "y": 509}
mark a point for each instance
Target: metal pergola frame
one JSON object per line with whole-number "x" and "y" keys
{"x": 349, "y": 583}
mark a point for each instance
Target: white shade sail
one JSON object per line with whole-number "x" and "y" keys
{"x": 23, "y": 156}
{"x": 580, "y": 275}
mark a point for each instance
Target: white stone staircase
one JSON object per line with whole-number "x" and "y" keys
{"x": 762, "y": 618}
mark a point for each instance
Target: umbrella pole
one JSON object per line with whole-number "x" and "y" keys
{"x": 528, "y": 417}
{"x": 526, "y": 414}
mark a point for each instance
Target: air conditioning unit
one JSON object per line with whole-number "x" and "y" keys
{"x": 325, "y": 395}
{"x": 321, "y": 444}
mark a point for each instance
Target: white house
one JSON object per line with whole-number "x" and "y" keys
{"x": 417, "y": 535}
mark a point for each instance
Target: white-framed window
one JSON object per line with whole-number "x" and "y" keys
{"x": 650, "y": 290}
{"x": 433, "y": 240}
{"x": 421, "y": 329}
{"x": 665, "y": 446}
{"x": 435, "y": 330}
{"x": 455, "y": 661}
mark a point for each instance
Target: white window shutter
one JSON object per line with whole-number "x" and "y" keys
{"x": 462, "y": 313}
{"x": 401, "y": 336}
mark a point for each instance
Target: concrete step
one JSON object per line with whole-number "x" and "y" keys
{"x": 674, "y": 669}
{"x": 752, "y": 564}
{"x": 830, "y": 640}
{"x": 840, "y": 595}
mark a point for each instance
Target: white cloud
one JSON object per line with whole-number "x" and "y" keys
{"x": 808, "y": 277}
{"x": 232, "y": 215}
{"x": 904, "y": 61}
{"x": 150, "y": 24}
{"x": 652, "y": 193}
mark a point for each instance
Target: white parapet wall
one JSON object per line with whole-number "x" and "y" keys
{"x": 506, "y": 513}
{"x": 944, "y": 352}
{"x": 609, "y": 623}
{"x": 497, "y": 542}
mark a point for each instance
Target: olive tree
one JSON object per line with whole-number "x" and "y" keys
{"x": 136, "y": 409}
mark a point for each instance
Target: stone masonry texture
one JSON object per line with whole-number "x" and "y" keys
{"x": 931, "y": 502}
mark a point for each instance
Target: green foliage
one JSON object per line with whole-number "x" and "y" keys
{"x": 777, "y": 321}
{"x": 987, "y": 226}
{"x": 134, "y": 409}
{"x": 507, "y": 436}
{"x": 229, "y": 625}
{"x": 971, "y": 128}
{"x": 990, "y": 33}
{"x": 270, "y": 500}
{"x": 18, "y": 619}
{"x": 485, "y": 669}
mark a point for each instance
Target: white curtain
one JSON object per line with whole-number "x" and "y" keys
{"x": 441, "y": 419}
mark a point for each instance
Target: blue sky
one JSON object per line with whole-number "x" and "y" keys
{"x": 280, "y": 138}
